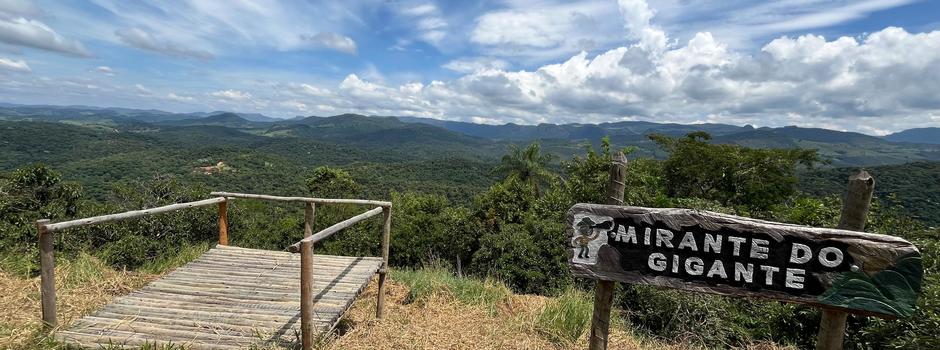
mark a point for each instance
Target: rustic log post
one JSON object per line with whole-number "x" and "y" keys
{"x": 309, "y": 216}
{"x": 854, "y": 215}
{"x": 47, "y": 274}
{"x": 306, "y": 295}
{"x": 604, "y": 291}
{"x": 383, "y": 271}
{"x": 223, "y": 222}
{"x": 306, "y": 280}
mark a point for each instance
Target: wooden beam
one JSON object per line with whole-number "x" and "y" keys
{"x": 329, "y": 231}
{"x": 604, "y": 290}
{"x": 47, "y": 274}
{"x": 306, "y": 295}
{"x": 302, "y": 199}
{"x": 309, "y": 216}
{"x": 59, "y": 226}
{"x": 854, "y": 216}
{"x": 383, "y": 271}
{"x": 223, "y": 222}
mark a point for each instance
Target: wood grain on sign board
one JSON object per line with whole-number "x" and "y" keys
{"x": 708, "y": 252}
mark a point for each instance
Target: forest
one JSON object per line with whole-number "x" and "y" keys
{"x": 499, "y": 218}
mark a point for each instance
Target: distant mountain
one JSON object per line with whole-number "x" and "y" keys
{"x": 113, "y": 115}
{"x": 225, "y": 119}
{"x": 516, "y": 132}
{"x": 919, "y": 135}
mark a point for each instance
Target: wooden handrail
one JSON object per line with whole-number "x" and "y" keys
{"x": 302, "y": 199}
{"x": 46, "y": 228}
{"x": 305, "y": 246}
{"x": 329, "y": 231}
{"x": 59, "y": 226}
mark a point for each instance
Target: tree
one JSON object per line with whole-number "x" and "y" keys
{"x": 327, "y": 182}
{"x": 750, "y": 178}
{"x": 526, "y": 165}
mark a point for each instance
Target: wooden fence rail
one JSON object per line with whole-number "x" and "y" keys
{"x": 46, "y": 228}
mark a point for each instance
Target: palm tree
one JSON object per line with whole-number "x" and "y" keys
{"x": 526, "y": 165}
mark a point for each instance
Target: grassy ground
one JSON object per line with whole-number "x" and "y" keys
{"x": 426, "y": 309}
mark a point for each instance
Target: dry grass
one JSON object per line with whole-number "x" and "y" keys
{"x": 437, "y": 320}
{"x": 84, "y": 285}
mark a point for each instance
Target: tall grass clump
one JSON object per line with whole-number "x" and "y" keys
{"x": 430, "y": 281}
{"x": 566, "y": 317}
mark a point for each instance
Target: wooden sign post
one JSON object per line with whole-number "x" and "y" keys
{"x": 702, "y": 251}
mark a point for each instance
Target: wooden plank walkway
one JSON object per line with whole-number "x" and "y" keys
{"x": 229, "y": 298}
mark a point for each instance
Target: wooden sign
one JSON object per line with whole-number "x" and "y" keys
{"x": 708, "y": 252}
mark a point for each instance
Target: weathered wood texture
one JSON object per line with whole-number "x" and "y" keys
{"x": 604, "y": 290}
{"x": 383, "y": 271}
{"x": 223, "y": 222}
{"x": 47, "y": 274}
{"x": 59, "y": 226}
{"x": 855, "y": 208}
{"x": 301, "y": 199}
{"x": 865, "y": 254}
{"x": 229, "y": 298}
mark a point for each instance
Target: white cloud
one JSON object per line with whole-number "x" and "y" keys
{"x": 142, "y": 90}
{"x": 105, "y": 70}
{"x": 547, "y": 30}
{"x": 887, "y": 79}
{"x": 426, "y": 18}
{"x": 333, "y": 41}
{"x": 420, "y": 10}
{"x": 20, "y": 31}
{"x": 14, "y": 65}
{"x": 143, "y": 40}
{"x": 475, "y": 64}
{"x": 233, "y": 95}
{"x": 179, "y": 98}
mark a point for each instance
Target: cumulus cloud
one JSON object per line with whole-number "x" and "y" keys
{"x": 233, "y": 95}
{"x": 20, "y": 31}
{"x": 138, "y": 38}
{"x": 14, "y": 65}
{"x": 332, "y": 41}
{"x": 887, "y": 78}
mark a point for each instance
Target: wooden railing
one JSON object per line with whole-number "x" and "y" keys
{"x": 46, "y": 228}
{"x": 305, "y": 248}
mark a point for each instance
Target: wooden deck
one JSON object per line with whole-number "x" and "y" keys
{"x": 229, "y": 298}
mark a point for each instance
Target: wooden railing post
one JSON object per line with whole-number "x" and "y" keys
{"x": 47, "y": 274}
{"x": 310, "y": 211}
{"x": 854, "y": 216}
{"x": 604, "y": 290}
{"x": 306, "y": 295}
{"x": 223, "y": 222}
{"x": 383, "y": 271}
{"x": 306, "y": 280}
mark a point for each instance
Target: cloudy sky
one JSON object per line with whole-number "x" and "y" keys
{"x": 871, "y": 66}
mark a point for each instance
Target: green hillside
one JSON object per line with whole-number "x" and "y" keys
{"x": 913, "y": 186}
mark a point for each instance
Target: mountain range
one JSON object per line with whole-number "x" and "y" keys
{"x": 423, "y": 137}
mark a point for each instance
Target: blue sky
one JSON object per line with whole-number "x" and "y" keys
{"x": 871, "y": 66}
